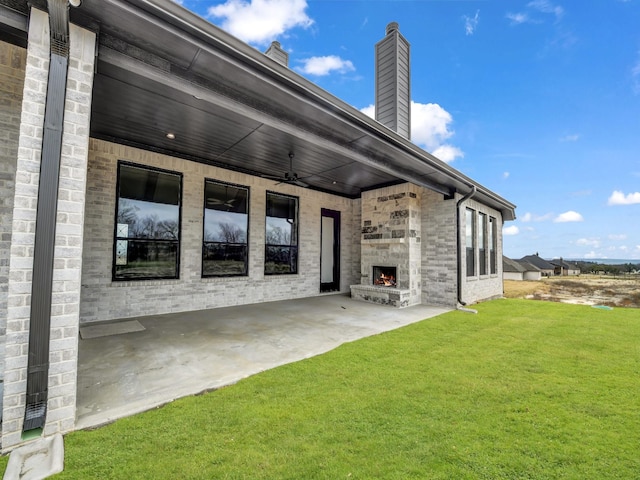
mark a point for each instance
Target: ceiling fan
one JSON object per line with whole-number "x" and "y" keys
{"x": 216, "y": 201}
{"x": 290, "y": 177}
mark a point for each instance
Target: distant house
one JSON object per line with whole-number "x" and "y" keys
{"x": 519, "y": 270}
{"x": 547, "y": 269}
{"x": 562, "y": 268}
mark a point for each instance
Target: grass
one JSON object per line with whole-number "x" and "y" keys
{"x": 522, "y": 390}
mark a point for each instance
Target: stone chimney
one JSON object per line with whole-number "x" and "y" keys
{"x": 393, "y": 86}
{"x": 276, "y": 53}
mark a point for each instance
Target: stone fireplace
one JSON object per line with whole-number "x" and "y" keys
{"x": 390, "y": 246}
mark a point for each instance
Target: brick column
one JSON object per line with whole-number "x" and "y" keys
{"x": 12, "y": 65}
{"x": 69, "y": 232}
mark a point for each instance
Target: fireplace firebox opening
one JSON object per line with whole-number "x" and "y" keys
{"x": 384, "y": 276}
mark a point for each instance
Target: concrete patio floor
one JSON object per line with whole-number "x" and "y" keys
{"x": 181, "y": 354}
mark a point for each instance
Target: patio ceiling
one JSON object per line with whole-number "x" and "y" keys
{"x": 162, "y": 69}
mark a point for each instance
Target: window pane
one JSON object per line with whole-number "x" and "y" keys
{"x": 470, "y": 242}
{"x": 281, "y": 252}
{"x": 470, "y": 222}
{"x": 220, "y": 259}
{"x": 226, "y": 227}
{"x": 492, "y": 244}
{"x": 148, "y": 223}
{"x": 482, "y": 241}
{"x": 139, "y": 259}
{"x": 280, "y": 260}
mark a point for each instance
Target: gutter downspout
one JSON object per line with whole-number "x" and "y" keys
{"x": 44, "y": 241}
{"x": 458, "y": 245}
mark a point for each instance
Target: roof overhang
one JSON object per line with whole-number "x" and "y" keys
{"x": 160, "y": 69}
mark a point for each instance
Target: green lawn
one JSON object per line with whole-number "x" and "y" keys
{"x": 522, "y": 390}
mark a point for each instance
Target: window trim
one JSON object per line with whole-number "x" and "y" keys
{"x": 126, "y": 163}
{"x": 204, "y": 242}
{"x": 297, "y": 233}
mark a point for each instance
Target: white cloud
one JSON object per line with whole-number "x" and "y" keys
{"x": 511, "y": 230}
{"x": 471, "y": 23}
{"x": 517, "y": 18}
{"x": 592, "y": 254}
{"x": 545, "y": 6}
{"x": 429, "y": 129}
{"x": 529, "y": 217}
{"x": 619, "y": 198}
{"x": 570, "y": 138}
{"x": 261, "y": 21}
{"x": 536, "y": 7}
{"x": 569, "y": 216}
{"x": 321, "y": 66}
{"x": 506, "y": 175}
{"x": 617, "y": 237}
{"x": 447, "y": 153}
{"x": 588, "y": 242}
{"x": 369, "y": 111}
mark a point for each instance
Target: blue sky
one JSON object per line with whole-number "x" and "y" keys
{"x": 537, "y": 100}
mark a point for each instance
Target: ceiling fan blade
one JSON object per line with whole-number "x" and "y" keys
{"x": 300, "y": 183}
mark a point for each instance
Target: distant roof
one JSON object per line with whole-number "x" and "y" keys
{"x": 561, "y": 263}
{"x": 510, "y": 265}
{"x": 538, "y": 262}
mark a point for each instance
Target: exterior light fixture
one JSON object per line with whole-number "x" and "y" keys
{"x": 171, "y": 136}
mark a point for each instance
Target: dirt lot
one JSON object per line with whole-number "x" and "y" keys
{"x": 583, "y": 289}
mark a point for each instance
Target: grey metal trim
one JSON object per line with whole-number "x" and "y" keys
{"x": 44, "y": 242}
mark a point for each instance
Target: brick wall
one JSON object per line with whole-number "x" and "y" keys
{"x": 12, "y": 65}
{"x": 439, "y": 260}
{"x": 103, "y": 299}
{"x": 481, "y": 287}
{"x": 69, "y": 230}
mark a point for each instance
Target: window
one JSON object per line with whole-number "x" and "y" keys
{"x": 281, "y": 245}
{"x": 482, "y": 242}
{"x": 147, "y": 233}
{"x": 471, "y": 242}
{"x": 493, "y": 239}
{"x": 226, "y": 226}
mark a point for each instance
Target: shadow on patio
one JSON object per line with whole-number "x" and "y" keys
{"x": 179, "y": 354}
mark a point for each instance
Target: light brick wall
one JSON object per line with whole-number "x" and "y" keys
{"x": 104, "y": 299}
{"x": 12, "y": 65}
{"x": 481, "y": 287}
{"x": 69, "y": 230}
{"x": 439, "y": 260}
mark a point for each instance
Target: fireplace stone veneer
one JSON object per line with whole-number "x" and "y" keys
{"x": 390, "y": 238}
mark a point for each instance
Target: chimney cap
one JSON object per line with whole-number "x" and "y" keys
{"x": 392, "y": 27}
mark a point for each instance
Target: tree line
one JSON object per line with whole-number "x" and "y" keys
{"x": 607, "y": 269}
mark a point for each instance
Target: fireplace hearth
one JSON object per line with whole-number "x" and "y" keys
{"x": 385, "y": 276}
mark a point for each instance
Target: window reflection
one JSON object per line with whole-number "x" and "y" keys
{"x": 470, "y": 242}
{"x": 148, "y": 223}
{"x": 226, "y": 226}
{"x": 281, "y": 245}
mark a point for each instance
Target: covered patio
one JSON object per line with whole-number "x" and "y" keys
{"x": 180, "y": 354}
